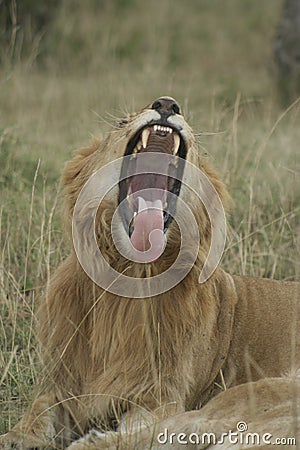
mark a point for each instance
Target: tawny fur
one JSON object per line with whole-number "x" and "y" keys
{"x": 105, "y": 355}
{"x": 269, "y": 408}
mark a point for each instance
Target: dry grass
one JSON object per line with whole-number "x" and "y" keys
{"x": 214, "y": 58}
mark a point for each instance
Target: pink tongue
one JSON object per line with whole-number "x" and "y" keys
{"x": 148, "y": 236}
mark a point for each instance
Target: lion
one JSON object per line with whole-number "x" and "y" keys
{"x": 120, "y": 355}
{"x": 251, "y": 415}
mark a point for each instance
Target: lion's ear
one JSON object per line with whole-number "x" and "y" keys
{"x": 78, "y": 164}
{"x": 76, "y": 172}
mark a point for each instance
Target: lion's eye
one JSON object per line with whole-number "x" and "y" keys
{"x": 122, "y": 122}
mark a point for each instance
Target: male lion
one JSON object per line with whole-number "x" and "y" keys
{"x": 114, "y": 361}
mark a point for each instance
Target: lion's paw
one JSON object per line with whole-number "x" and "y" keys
{"x": 95, "y": 440}
{"x": 18, "y": 441}
{"x": 12, "y": 440}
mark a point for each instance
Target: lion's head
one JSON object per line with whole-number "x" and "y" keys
{"x": 150, "y": 187}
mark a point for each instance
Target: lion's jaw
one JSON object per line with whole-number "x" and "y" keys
{"x": 150, "y": 181}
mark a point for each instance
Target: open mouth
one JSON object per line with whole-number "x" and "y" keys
{"x": 149, "y": 186}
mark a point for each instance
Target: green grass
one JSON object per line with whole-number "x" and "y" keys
{"x": 216, "y": 59}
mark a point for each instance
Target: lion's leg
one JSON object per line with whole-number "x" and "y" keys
{"x": 135, "y": 427}
{"x": 139, "y": 418}
{"x": 38, "y": 427}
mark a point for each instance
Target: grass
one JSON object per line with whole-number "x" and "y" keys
{"x": 215, "y": 58}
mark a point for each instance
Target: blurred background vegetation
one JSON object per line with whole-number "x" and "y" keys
{"x": 69, "y": 67}
{"x": 221, "y": 47}
{"x": 63, "y": 63}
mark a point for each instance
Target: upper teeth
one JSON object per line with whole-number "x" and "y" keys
{"x": 145, "y": 136}
{"x": 176, "y": 143}
{"x": 161, "y": 128}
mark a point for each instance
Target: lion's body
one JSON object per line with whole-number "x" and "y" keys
{"x": 253, "y": 416}
{"x": 265, "y": 339}
{"x": 104, "y": 355}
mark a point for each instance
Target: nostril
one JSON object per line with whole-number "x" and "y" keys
{"x": 165, "y": 106}
{"x": 176, "y": 108}
{"x": 156, "y": 105}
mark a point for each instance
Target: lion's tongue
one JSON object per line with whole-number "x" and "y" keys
{"x": 148, "y": 228}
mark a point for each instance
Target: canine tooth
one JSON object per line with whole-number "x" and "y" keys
{"x": 139, "y": 146}
{"x": 157, "y": 204}
{"x": 176, "y": 143}
{"x": 145, "y": 136}
{"x": 142, "y": 204}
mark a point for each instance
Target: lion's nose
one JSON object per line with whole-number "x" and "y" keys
{"x": 166, "y": 106}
